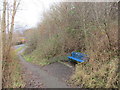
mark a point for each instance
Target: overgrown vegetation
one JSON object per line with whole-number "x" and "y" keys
{"x": 89, "y": 28}
{"x": 12, "y": 73}
{"x": 8, "y": 11}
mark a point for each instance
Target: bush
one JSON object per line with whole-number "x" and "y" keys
{"x": 85, "y": 27}
{"x": 105, "y": 76}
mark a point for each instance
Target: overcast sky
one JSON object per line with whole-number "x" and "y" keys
{"x": 31, "y": 11}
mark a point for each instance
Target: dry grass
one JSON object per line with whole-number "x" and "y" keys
{"x": 101, "y": 70}
{"x": 104, "y": 77}
{"x": 12, "y": 73}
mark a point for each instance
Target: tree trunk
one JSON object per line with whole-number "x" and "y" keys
{"x": 3, "y": 36}
{"x": 11, "y": 28}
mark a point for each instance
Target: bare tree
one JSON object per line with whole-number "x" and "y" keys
{"x": 3, "y": 29}
{"x": 6, "y": 32}
{"x": 10, "y": 35}
{"x": 0, "y": 56}
{"x": 3, "y": 32}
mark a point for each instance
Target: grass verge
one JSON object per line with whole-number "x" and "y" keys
{"x": 13, "y": 72}
{"x": 19, "y": 49}
{"x": 33, "y": 58}
{"x": 16, "y": 76}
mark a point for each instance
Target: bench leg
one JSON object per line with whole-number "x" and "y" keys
{"x": 69, "y": 60}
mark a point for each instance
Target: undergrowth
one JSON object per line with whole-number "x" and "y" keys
{"x": 13, "y": 72}
{"x": 104, "y": 76}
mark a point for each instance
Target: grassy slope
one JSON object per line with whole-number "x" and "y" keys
{"x": 43, "y": 61}
{"x": 32, "y": 59}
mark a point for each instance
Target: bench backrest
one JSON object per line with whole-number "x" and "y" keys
{"x": 78, "y": 55}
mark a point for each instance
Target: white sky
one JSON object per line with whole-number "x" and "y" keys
{"x": 31, "y": 11}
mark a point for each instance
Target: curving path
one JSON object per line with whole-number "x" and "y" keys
{"x": 51, "y": 76}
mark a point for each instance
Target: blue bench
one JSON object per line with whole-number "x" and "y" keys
{"x": 77, "y": 56}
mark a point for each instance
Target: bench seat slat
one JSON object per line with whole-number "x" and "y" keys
{"x": 78, "y": 54}
{"x": 79, "y": 60}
